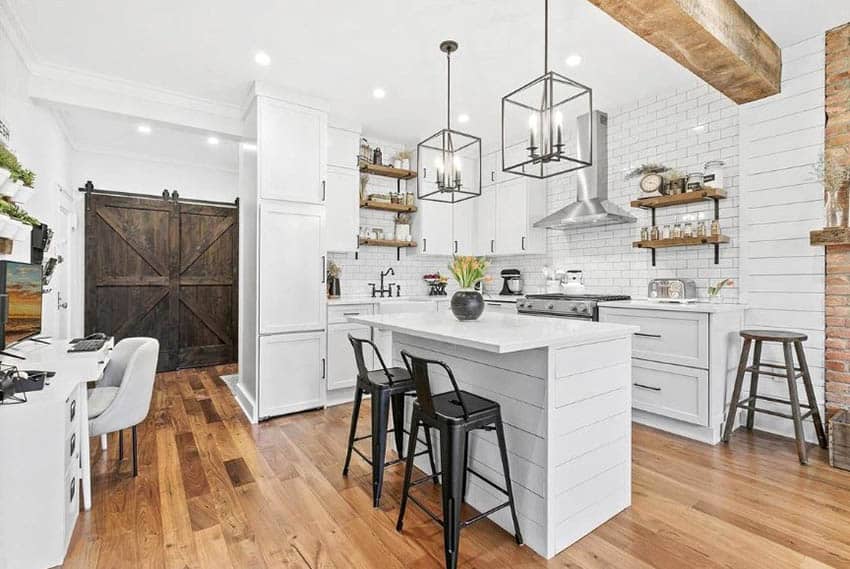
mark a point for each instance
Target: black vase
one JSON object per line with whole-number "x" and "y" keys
{"x": 467, "y": 304}
{"x": 333, "y": 287}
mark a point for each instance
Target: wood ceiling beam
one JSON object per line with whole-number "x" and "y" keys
{"x": 715, "y": 39}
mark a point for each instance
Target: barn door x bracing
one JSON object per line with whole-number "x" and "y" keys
{"x": 167, "y": 270}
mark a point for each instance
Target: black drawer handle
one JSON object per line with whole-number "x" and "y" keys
{"x": 350, "y": 313}
{"x": 645, "y": 335}
{"x": 73, "y": 411}
{"x": 73, "y": 490}
{"x": 73, "y": 444}
{"x": 649, "y": 387}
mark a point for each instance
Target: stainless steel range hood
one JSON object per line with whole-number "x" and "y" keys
{"x": 592, "y": 208}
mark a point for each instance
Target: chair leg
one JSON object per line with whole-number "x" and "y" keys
{"x": 466, "y": 465}
{"x": 380, "y": 416}
{"x": 135, "y": 453}
{"x": 397, "y": 405}
{"x": 503, "y": 450}
{"x": 430, "y": 446}
{"x": 408, "y": 467}
{"x": 754, "y": 386}
{"x": 452, "y": 451}
{"x": 795, "y": 404}
{"x": 120, "y": 445}
{"x": 352, "y": 434}
{"x": 810, "y": 394}
{"x": 736, "y": 391}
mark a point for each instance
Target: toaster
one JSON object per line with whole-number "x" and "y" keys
{"x": 672, "y": 290}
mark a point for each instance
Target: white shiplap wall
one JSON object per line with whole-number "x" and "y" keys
{"x": 781, "y": 201}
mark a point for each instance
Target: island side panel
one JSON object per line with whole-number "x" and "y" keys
{"x": 589, "y": 450}
{"x": 517, "y": 382}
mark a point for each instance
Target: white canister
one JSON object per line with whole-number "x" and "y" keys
{"x": 713, "y": 176}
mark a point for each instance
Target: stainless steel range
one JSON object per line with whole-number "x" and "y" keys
{"x": 584, "y": 306}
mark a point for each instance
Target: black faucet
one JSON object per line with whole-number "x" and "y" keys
{"x": 382, "y": 290}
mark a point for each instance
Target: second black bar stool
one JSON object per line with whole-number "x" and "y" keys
{"x": 454, "y": 414}
{"x": 388, "y": 388}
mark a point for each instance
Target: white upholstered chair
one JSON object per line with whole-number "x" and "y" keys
{"x": 122, "y": 397}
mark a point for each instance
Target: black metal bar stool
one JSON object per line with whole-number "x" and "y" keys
{"x": 454, "y": 414}
{"x": 790, "y": 372}
{"x": 388, "y": 388}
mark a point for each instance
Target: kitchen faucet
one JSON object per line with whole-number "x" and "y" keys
{"x": 389, "y": 289}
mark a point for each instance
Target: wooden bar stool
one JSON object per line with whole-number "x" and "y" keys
{"x": 388, "y": 388}
{"x": 454, "y": 414}
{"x": 790, "y": 372}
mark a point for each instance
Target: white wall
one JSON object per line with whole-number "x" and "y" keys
{"x": 783, "y": 274}
{"x": 39, "y": 144}
{"x": 150, "y": 175}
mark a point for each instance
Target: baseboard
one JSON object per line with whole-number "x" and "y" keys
{"x": 245, "y": 401}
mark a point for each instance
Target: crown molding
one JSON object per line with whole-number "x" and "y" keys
{"x": 18, "y": 37}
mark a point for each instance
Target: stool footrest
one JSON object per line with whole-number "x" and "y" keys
{"x": 386, "y": 464}
{"x": 463, "y": 524}
{"x": 752, "y": 369}
{"x": 499, "y": 488}
{"x": 805, "y": 415}
{"x": 743, "y": 403}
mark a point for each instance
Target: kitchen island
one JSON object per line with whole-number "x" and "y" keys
{"x": 564, "y": 387}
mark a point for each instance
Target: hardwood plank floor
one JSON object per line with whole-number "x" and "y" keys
{"x": 214, "y": 491}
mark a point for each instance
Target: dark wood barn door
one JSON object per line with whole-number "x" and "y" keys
{"x": 163, "y": 269}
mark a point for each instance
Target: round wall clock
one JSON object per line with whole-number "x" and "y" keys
{"x": 651, "y": 184}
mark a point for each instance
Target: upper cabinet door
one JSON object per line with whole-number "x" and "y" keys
{"x": 485, "y": 221}
{"x": 463, "y": 227}
{"x": 490, "y": 165}
{"x": 292, "y": 150}
{"x": 292, "y": 273}
{"x": 343, "y": 146}
{"x": 343, "y": 209}
{"x": 511, "y": 217}
{"x": 434, "y": 222}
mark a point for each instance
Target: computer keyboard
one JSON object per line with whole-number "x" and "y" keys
{"x": 87, "y": 346}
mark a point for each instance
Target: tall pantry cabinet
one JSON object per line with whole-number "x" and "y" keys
{"x": 285, "y": 285}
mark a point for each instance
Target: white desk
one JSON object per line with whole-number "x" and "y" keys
{"x": 44, "y": 455}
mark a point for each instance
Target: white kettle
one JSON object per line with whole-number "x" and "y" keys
{"x": 573, "y": 282}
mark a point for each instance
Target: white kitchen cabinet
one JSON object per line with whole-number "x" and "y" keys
{"x": 292, "y": 151}
{"x": 342, "y": 209}
{"x": 463, "y": 228}
{"x": 432, "y": 225}
{"x": 343, "y": 147}
{"x": 490, "y": 166}
{"x": 342, "y": 367}
{"x": 519, "y": 203}
{"x": 292, "y": 295}
{"x": 292, "y": 368}
{"x": 485, "y": 217}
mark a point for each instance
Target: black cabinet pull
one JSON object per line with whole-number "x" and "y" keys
{"x": 523, "y": 242}
{"x": 73, "y": 490}
{"x": 323, "y": 268}
{"x": 73, "y": 444}
{"x": 492, "y": 175}
{"x": 73, "y": 410}
{"x": 645, "y": 335}
{"x": 424, "y": 244}
{"x": 455, "y": 245}
{"x": 324, "y": 366}
{"x": 492, "y": 245}
{"x": 324, "y": 190}
{"x": 649, "y": 387}
{"x": 350, "y": 313}
{"x": 424, "y": 172}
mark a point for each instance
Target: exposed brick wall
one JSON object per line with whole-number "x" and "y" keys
{"x": 837, "y": 151}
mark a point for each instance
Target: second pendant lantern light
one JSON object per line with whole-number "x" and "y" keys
{"x": 449, "y": 161}
{"x": 535, "y": 138}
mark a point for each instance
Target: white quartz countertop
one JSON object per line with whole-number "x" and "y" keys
{"x": 348, "y": 300}
{"x": 646, "y": 304}
{"x": 495, "y": 332}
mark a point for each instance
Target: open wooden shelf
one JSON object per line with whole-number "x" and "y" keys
{"x": 385, "y": 206}
{"x": 679, "y": 199}
{"x": 386, "y": 243}
{"x": 830, "y": 236}
{"x": 681, "y": 242}
{"x": 388, "y": 171}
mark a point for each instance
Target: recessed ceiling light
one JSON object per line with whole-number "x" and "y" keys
{"x": 463, "y": 117}
{"x": 212, "y": 140}
{"x": 249, "y": 147}
{"x": 574, "y": 60}
{"x": 379, "y": 93}
{"x": 262, "y": 58}
{"x": 699, "y": 128}
{"x": 144, "y": 129}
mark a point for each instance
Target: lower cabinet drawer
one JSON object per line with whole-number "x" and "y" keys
{"x": 72, "y": 503}
{"x": 72, "y": 412}
{"x": 338, "y": 314}
{"x": 72, "y": 450}
{"x": 677, "y": 392}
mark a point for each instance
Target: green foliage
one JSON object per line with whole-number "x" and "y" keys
{"x": 28, "y": 178}
{"x": 8, "y": 160}
{"x": 16, "y": 212}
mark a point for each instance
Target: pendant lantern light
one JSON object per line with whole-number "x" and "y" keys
{"x": 449, "y": 161}
{"x": 535, "y": 138}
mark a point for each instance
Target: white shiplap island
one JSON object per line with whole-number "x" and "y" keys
{"x": 564, "y": 387}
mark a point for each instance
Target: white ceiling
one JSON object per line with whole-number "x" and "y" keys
{"x": 341, "y": 49}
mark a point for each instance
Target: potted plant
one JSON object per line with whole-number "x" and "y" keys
{"x": 28, "y": 188}
{"x": 467, "y": 303}
{"x": 334, "y": 271}
{"x": 834, "y": 178}
{"x": 8, "y": 164}
{"x": 714, "y": 290}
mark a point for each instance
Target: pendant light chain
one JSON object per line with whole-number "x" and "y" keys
{"x": 546, "y": 37}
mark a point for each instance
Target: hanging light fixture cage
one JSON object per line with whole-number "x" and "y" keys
{"x": 449, "y": 161}
{"x": 539, "y": 127}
